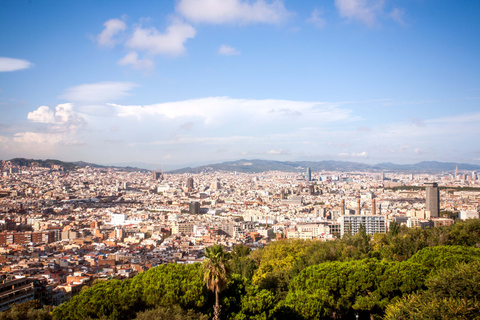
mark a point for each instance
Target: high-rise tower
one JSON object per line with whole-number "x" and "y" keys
{"x": 309, "y": 174}
{"x": 433, "y": 199}
{"x": 190, "y": 183}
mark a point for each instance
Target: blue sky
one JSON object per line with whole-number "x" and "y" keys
{"x": 201, "y": 81}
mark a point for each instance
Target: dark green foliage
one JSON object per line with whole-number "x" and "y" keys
{"x": 410, "y": 241}
{"x": 240, "y": 263}
{"x": 341, "y": 289}
{"x": 242, "y": 300}
{"x": 358, "y": 246}
{"x": 451, "y": 294}
{"x": 171, "y": 284}
{"x": 170, "y": 313}
{"x": 465, "y": 233}
{"x": 27, "y": 311}
{"x": 394, "y": 229}
{"x": 463, "y": 281}
{"x": 436, "y": 258}
{"x": 113, "y": 299}
{"x": 166, "y": 285}
{"x": 296, "y": 279}
{"x": 414, "y": 307}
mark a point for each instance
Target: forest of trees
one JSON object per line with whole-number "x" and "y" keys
{"x": 431, "y": 273}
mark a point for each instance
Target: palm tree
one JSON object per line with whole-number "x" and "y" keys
{"x": 216, "y": 273}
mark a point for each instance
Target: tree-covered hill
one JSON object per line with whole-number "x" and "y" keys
{"x": 431, "y": 273}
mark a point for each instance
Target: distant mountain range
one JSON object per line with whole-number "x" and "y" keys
{"x": 257, "y": 166}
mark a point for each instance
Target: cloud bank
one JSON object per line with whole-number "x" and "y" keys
{"x": 10, "y": 64}
{"x": 232, "y": 11}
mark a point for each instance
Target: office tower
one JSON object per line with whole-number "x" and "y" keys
{"x": 311, "y": 189}
{"x": 433, "y": 199}
{"x": 215, "y": 185}
{"x": 194, "y": 207}
{"x": 190, "y": 183}
{"x": 309, "y": 174}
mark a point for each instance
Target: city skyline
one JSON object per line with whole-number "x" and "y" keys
{"x": 185, "y": 81}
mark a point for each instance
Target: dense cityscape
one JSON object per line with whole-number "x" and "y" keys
{"x": 239, "y": 160}
{"x": 64, "y": 229}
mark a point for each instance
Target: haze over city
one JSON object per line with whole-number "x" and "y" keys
{"x": 181, "y": 82}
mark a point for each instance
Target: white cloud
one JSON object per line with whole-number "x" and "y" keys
{"x": 9, "y": 64}
{"x": 362, "y": 154}
{"x": 227, "y": 50}
{"x": 365, "y": 11}
{"x": 232, "y": 11}
{"x": 277, "y": 152}
{"x": 64, "y": 114}
{"x": 171, "y": 42}
{"x": 63, "y": 128}
{"x": 112, "y": 28}
{"x": 138, "y": 64}
{"x": 64, "y": 117}
{"x": 42, "y": 139}
{"x": 213, "y": 109}
{"x": 43, "y": 114}
{"x": 316, "y": 18}
{"x": 107, "y": 91}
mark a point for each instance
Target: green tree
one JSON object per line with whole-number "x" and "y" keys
{"x": 165, "y": 286}
{"x": 451, "y": 294}
{"x": 216, "y": 273}
{"x": 394, "y": 229}
{"x": 337, "y": 290}
{"x": 436, "y": 258}
{"x": 170, "y": 313}
{"x": 27, "y": 311}
{"x": 240, "y": 262}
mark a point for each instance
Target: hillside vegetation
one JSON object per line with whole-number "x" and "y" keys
{"x": 407, "y": 274}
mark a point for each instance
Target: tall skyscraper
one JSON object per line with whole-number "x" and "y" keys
{"x": 311, "y": 190}
{"x": 190, "y": 183}
{"x": 194, "y": 207}
{"x": 433, "y": 199}
{"x": 309, "y": 174}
